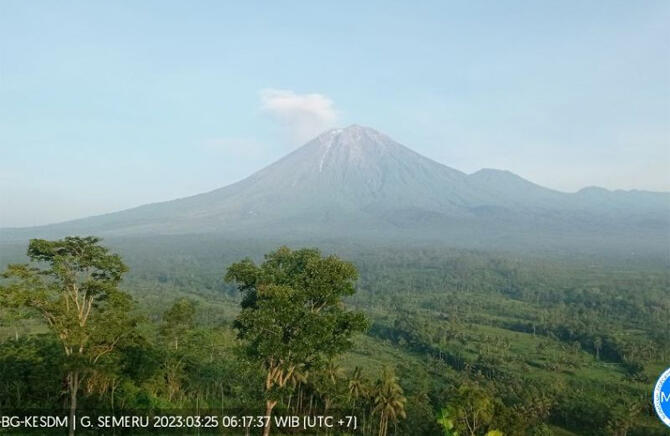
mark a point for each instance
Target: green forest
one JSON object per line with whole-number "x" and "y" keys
{"x": 421, "y": 340}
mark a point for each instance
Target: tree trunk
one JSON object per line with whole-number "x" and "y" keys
{"x": 18, "y": 394}
{"x": 269, "y": 405}
{"x": 222, "y": 398}
{"x": 73, "y": 385}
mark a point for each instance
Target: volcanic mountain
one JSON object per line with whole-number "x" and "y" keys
{"x": 357, "y": 183}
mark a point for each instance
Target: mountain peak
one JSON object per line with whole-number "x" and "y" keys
{"x": 354, "y": 144}
{"x": 351, "y": 134}
{"x": 357, "y": 182}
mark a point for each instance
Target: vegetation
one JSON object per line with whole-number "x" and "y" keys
{"x": 292, "y": 320}
{"x": 459, "y": 342}
{"x": 76, "y": 295}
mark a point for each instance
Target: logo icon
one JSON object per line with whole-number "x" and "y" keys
{"x": 662, "y": 397}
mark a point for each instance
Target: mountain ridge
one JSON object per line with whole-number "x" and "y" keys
{"x": 358, "y": 182}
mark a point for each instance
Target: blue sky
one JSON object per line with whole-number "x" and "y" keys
{"x": 108, "y": 105}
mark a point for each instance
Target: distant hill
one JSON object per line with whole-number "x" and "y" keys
{"x": 358, "y": 184}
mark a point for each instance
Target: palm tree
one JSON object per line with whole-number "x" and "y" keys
{"x": 332, "y": 371}
{"x": 326, "y": 385}
{"x": 295, "y": 380}
{"x": 389, "y": 401}
{"x": 597, "y": 345}
{"x": 357, "y": 386}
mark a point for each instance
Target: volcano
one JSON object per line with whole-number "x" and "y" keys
{"x": 357, "y": 183}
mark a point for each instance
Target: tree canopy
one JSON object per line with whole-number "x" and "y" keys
{"x": 73, "y": 284}
{"x": 292, "y": 313}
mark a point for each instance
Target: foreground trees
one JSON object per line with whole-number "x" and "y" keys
{"x": 292, "y": 314}
{"x": 73, "y": 285}
{"x": 529, "y": 353}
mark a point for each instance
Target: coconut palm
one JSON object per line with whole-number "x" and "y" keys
{"x": 329, "y": 387}
{"x": 295, "y": 380}
{"x": 388, "y": 399}
{"x": 357, "y": 386}
{"x": 332, "y": 371}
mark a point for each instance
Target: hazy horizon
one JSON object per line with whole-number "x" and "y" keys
{"x": 258, "y": 169}
{"x": 187, "y": 99}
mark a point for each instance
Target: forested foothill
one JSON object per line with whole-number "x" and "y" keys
{"x": 411, "y": 339}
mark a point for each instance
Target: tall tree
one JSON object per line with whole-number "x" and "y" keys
{"x": 389, "y": 401}
{"x": 597, "y": 345}
{"x": 356, "y": 387}
{"x": 471, "y": 409}
{"x": 177, "y": 325}
{"x": 177, "y": 321}
{"x": 73, "y": 284}
{"x": 292, "y": 313}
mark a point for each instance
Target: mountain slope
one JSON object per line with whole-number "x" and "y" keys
{"x": 358, "y": 183}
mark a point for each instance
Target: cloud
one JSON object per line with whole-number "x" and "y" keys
{"x": 304, "y": 116}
